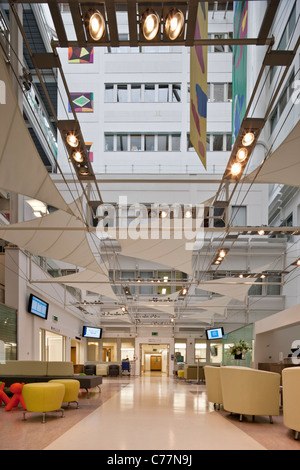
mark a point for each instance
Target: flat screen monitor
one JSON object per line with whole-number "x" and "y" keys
{"x": 38, "y": 307}
{"x": 92, "y": 332}
{"x": 215, "y": 333}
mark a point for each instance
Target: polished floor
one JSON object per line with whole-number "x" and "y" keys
{"x": 143, "y": 413}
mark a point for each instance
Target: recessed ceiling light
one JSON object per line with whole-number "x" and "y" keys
{"x": 78, "y": 157}
{"x": 150, "y": 24}
{"x": 96, "y": 25}
{"x": 248, "y": 139}
{"x": 236, "y": 168}
{"x": 72, "y": 140}
{"x": 241, "y": 155}
{"x": 174, "y": 24}
{"x": 261, "y": 232}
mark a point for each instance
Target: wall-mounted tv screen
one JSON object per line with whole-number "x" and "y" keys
{"x": 92, "y": 332}
{"x": 214, "y": 333}
{"x": 38, "y": 307}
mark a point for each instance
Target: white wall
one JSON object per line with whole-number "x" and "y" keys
{"x": 17, "y": 290}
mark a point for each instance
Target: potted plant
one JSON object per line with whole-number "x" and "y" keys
{"x": 238, "y": 349}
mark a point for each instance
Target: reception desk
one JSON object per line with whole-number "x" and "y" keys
{"x": 276, "y": 366}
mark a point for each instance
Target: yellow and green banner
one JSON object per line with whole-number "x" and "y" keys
{"x": 239, "y": 67}
{"x": 198, "y": 85}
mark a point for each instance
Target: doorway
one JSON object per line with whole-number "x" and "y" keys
{"x": 155, "y": 363}
{"x": 154, "y": 359}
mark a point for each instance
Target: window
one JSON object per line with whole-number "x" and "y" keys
{"x": 127, "y": 350}
{"x": 180, "y": 349}
{"x": 109, "y": 143}
{"x": 149, "y": 143}
{"x": 219, "y": 92}
{"x": 200, "y": 350}
{"x": 149, "y": 93}
{"x": 276, "y": 288}
{"x": 135, "y": 143}
{"x": 136, "y": 93}
{"x": 122, "y": 143}
{"x": 176, "y": 93}
{"x": 163, "y": 93}
{"x": 256, "y": 289}
{"x": 142, "y": 142}
{"x": 142, "y": 93}
{"x": 122, "y": 94}
{"x": 109, "y": 351}
{"x": 109, "y": 93}
{"x": 239, "y": 216}
{"x": 215, "y": 352}
{"x": 219, "y": 214}
{"x": 217, "y": 142}
{"x": 162, "y": 143}
{"x": 176, "y": 142}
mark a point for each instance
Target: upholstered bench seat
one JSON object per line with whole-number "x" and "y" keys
{"x": 71, "y": 390}
{"x": 43, "y": 397}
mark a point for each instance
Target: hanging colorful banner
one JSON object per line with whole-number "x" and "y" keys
{"x": 198, "y": 85}
{"x": 239, "y": 67}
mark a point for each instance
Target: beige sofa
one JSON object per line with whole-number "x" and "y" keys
{"x": 291, "y": 404}
{"x": 213, "y": 385}
{"x": 43, "y": 371}
{"x": 250, "y": 392}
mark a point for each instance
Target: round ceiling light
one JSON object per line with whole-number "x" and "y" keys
{"x": 174, "y": 24}
{"x": 236, "y": 169}
{"x": 96, "y": 25}
{"x": 150, "y": 24}
{"x": 248, "y": 139}
{"x": 78, "y": 157}
{"x": 72, "y": 140}
{"x": 84, "y": 171}
{"x": 241, "y": 155}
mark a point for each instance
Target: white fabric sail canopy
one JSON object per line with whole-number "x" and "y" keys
{"x": 283, "y": 165}
{"x": 58, "y": 236}
{"x": 218, "y": 305}
{"x": 21, "y": 168}
{"x": 88, "y": 280}
{"x": 234, "y": 288}
{"x": 172, "y": 252}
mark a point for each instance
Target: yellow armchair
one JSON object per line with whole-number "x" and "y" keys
{"x": 290, "y": 392}
{"x": 248, "y": 391}
{"x": 213, "y": 385}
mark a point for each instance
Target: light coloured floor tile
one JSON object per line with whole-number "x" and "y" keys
{"x": 155, "y": 414}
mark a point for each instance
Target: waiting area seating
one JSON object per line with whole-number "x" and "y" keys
{"x": 43, "y": 371}
{"x": 291, "y": 405}
{"x": 193, "y": 372}
{"x": 71, "y": 390}
{"x": 213, "y": 385}
{"x": 244, "y": 391}
{"x": 43, "y": 397}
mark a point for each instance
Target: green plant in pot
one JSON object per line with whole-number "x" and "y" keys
{"x": 238, "y": 349}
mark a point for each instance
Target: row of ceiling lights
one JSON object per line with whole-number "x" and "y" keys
{"x": 242, "y": 154}
{"x": 149, "y": 22}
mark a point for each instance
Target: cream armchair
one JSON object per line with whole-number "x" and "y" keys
{"x": 250, "y": 392}
{"x": 101, "y": 369}
{"x": 291, "y": 404}
{"x": 213, "y": 385}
